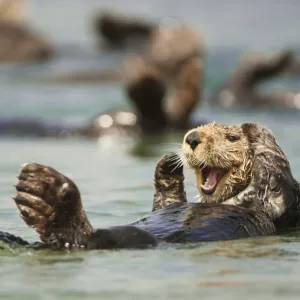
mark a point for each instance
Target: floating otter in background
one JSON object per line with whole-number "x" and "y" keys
{"x": 164, "y": 82}
{"x": 17, "y": 42}
{"x": 164, "y": 85}
{"x": 240, "y": 88}
{"x": 230, "y": 163}
{"x": 171, "y": 69}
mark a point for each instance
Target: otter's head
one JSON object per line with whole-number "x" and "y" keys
{"x": 221, "y": 158}
{"x": 171, "y": 43}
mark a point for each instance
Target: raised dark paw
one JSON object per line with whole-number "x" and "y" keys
{"x": 170, "y": 164}
{"x": 47, "y": 200}
{"x": 168, "y": 178}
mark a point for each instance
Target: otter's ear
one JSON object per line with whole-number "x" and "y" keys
{"x": 254, "y": 132}
{"x": 251, "y": 130}
{"x": 257, "y": 133}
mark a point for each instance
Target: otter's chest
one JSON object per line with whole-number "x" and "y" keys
{"x": 199, "y": 222}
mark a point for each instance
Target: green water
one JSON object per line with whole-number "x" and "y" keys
{"x": 115, "y": 177}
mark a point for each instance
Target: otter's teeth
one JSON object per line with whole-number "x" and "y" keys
{"x": 207, "y": 186}
{"x": 213, "y": 176}
{"x": 210, "y": 182}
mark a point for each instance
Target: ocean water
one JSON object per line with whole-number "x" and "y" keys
{"x": 115, "y": 177}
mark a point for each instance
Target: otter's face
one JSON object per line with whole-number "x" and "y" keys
{"x": 220, "y": 158}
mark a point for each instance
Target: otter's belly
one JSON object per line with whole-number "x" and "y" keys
{"x": 200, "y": 222}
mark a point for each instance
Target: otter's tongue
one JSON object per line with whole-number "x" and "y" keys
{"x": 211, "y": 177}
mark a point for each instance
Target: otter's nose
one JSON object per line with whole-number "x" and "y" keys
{"x": 193, "y": 140}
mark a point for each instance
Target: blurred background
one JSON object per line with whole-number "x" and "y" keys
{"x": 57, "y": 75}
{"x": 228, "y": 29}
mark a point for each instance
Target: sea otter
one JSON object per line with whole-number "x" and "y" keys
{"x": 165, "y": 83}
{"x": 175, "y": 68}
{"x": 240, "y": 87}
{"x": 244, "y": 180}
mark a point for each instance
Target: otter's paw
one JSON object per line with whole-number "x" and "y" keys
{"x": 46, "y": 199}
{"x": 169, "y": 165}
{"x": 168, "y": 178}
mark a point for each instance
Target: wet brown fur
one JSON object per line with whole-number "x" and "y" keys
{"x": 50, "y": 203}
{"x": 169, "y": 182}
{"x": 215, "y": 150}
{"x": 259, "y": 174}
{"x": 259, "y": 191}
{"x": 174, "y": 58}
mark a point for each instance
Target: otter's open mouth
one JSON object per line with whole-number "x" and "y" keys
{"x": 211, "y": 176}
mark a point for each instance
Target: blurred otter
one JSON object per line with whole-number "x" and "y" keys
{"x": 164, "y": 84}
{"x": 240, "y": 88}
{"x": 17, "y": 42}
{"x": 171, "y": 69}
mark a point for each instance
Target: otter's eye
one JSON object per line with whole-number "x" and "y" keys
{"x": 232, "y": 138}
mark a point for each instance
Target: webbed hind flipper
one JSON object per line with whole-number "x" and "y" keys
{"x": 168, "y": 182}
{"x": 50, "y": 203}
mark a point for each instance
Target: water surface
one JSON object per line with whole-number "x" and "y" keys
{"x": 117, "y": 185}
